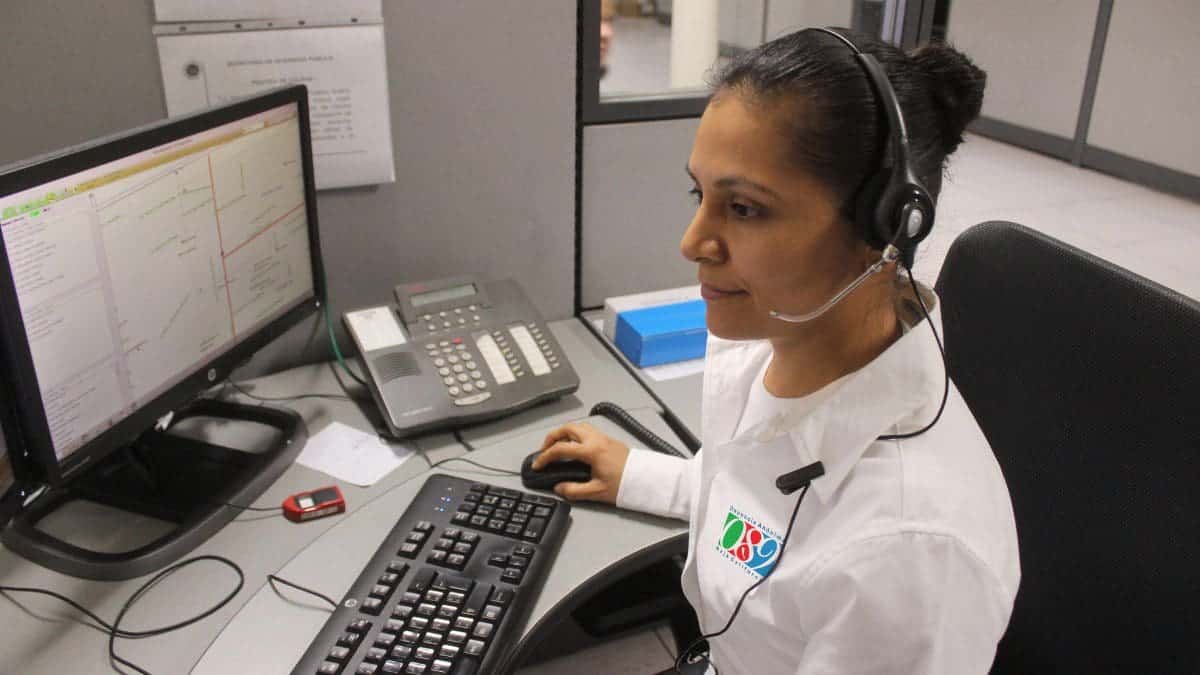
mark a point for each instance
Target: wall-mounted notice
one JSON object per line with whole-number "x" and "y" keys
{"x": 343, "y": 65}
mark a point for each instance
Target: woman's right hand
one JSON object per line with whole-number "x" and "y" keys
{"x": 585, "y": 443}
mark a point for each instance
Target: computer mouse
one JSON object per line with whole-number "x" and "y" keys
{"x": 553, "y": 473}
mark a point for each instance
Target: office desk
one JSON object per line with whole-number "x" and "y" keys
{"x": 41, "y": 635}
{"x": 681, "y": 396}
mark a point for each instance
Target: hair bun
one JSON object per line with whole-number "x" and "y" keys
{"x": 956, "y": 84}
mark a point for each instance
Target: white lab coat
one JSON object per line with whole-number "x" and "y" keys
{"x": 903, "y": 556}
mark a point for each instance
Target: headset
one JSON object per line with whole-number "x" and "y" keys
{"x": 893, "y": 212}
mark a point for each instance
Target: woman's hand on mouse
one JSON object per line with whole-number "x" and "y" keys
{"x": 585, "y": 443}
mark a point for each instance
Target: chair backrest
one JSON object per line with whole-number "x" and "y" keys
{"x": 1086, "y": 380}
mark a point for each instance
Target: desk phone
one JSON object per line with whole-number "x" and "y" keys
{"x": 456, "y": 351}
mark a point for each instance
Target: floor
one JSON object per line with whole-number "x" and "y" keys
{"x": 1153, "y": 234}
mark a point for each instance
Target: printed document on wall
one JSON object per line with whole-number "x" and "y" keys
{"x": 344, "y": 67}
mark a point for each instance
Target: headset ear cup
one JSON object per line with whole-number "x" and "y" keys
{"x": 876, "y": 234}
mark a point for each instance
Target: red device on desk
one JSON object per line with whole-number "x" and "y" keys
{"x": 318, "y": 503}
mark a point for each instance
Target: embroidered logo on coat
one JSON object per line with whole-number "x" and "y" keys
{"x": 749, "y": 544}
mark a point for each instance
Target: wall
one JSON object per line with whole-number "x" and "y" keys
{"x": 1149, "y": 89}
{"x": 1035, "y": 53}
{"x": 635, "y": 207}
{"x": 482, "y": 104}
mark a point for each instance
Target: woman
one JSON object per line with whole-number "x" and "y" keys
{"x": 904, "y": 559}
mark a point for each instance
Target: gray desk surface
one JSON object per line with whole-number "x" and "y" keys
{"x": 41, "y": 635}
{"x": 681, "y": 396}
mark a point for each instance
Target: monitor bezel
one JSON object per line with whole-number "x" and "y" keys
{"x": 17, "y": 357}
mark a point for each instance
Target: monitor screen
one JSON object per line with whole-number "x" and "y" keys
{"x": 134, "y": 273}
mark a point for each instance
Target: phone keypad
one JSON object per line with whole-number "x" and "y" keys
{"x": 457, "y": 366}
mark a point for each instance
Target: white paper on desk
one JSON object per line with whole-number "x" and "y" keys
{"x": 220, "y": 10}
{"x": 344, "y": 67}
{"x": 351, "y": 455}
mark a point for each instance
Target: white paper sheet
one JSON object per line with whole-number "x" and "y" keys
{"x": 170, "y": 11}
{"x": 376, "y": 328}
{"x": 351, "y": 455}
{"x": 344, "y": 67}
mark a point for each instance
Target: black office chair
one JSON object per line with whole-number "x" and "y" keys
{"x": 1086, "y": 380}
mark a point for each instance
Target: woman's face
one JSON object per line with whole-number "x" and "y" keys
{"x": 766, "y": 235}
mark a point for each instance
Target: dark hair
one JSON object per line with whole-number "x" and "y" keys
{"x": 818, "y": 90}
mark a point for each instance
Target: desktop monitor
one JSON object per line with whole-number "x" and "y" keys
{"x": 138, "y": 270}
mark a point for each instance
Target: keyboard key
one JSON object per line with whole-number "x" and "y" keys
{"x": 366, "y": 669}
{"x": 402, "y": 611}
{"x": 485, "y": 511}
{"x": 511, "y": 575}
{"x": 518, "y": 562}
{"x": 437, "y": 557}
{"x": 492, "y": 612}
{"x": 410, "y": 637}
{"x": 478, "y": 521}
{"x": 452, "y": 533}
{"x": 498, "y": 560}
{"x": 426, "y": 609}
{"x": 371, "y": 606}
{"x": 385, "y": 640}
{"x": 474, "y": 648}
{"x": 440, "y": 666}
{"x": 456, "y": 637}
{"x": 415, "y": 668}
{"x": 389, "y": 579}
{"x": 349, "y": 640}
{"x": 456, "y": 560}
{"x": 375, "y": 654}
{"x": 502, "y": 597}
{"x": 423, "y": 526}
{"x": 418, "y": 623}
{"x": 433, "y": 639}
{"x": 542, "y": 512}
{"x": 392, "y": 667}
{"x": 455, "y": 597}
{"x": 394, "y": 626}
{"x": 447, "y": 611}
{"x": 534, "y": 529}
{"x": 397, "y": 567}
{"x": 424, "y": 654}
{"x": 460, "y": 518}
{"x": 483, "y": 630}
{"x": 441, "y": 625}
{"x": 339, "y": 654}
{"x": 469, "y": 537}
{"x": 508, "y": 503}
{"x": 514, "y": 529}
{"x": 359, "y": 626}
{"x": 477, "y": 600}
{"x": 422, "y": 581}
{"x": 434, "y": 595}
{"x": 443, "y": 544}
{"x": 415, "y": 537}
{"x": 490, "y": 500}
{"x": 472, "y": 497}
{"x": 523, "y": 550}
{"x": 409, "y": 550}
{"x": 402, "y": 652}
{"x": 448, "y": 652}
{"x": 381, "y": 590}
{"x": 329, "y": 668}
{"x": 462, "y": 547}
{"x": 519, "y": 519}
{"x": 410, "y": 598}
{"x": 524, "y": 507}
{"x": 458, "y": 583}
{"x": 464, "y": 623}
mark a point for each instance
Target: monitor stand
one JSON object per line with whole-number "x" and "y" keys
{"x": 175, "y": 479}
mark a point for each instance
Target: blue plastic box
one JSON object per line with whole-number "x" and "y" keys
{"x": 662, "y": 334}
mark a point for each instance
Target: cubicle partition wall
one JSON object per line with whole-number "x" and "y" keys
{"x": 1102, "y": 84}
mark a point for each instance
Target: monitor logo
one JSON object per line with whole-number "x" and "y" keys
{"x": 212, "y": 374}
{"x": 749, "y": 544}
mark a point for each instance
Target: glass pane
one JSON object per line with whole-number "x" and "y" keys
{"x": 656, "y": 48}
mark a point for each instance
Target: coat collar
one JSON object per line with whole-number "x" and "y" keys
{"x": 898, "y": 392}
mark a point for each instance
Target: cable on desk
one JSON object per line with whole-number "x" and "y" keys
{"x": 459, "y": 437}
{"x": 333, "y": 343}
{"x": 114, "y": 629}
{"x": 273, "y": 579}
{"x": 244, "y": 392}
{"x": 471, "y": 461}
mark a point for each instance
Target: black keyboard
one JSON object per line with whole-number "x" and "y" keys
{"x": 449, "y": 587}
